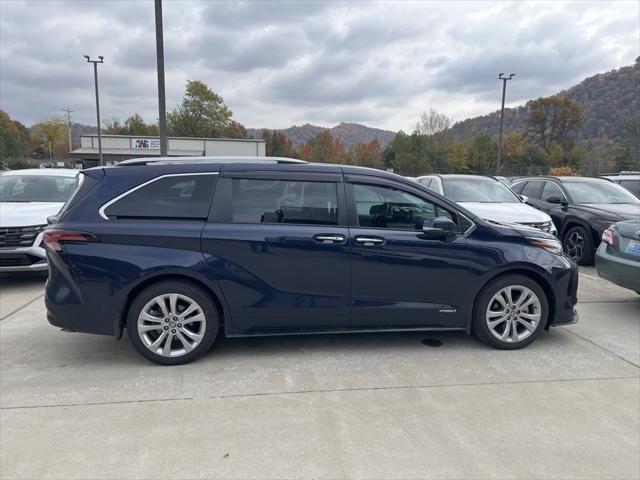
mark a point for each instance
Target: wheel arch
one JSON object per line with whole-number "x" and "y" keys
{"x": 578, "y": 222}
{"x": 533, "y": 275}
{"x": 121, "y": 322}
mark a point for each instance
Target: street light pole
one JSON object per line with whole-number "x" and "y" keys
{"x": 162, "y": 108}
{"x": 504, "y": 91}
{"x": 95, "y": 77}
{"x": 68, "y": 111}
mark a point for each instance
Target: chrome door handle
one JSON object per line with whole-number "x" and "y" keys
{"x": 369, "y": 240}
{"x": 329, "y": 238}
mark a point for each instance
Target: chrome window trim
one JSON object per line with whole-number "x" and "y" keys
{"x": 102, "y": 209}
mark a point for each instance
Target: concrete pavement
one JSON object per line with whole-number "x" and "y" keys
{"x": 350, "y": 406}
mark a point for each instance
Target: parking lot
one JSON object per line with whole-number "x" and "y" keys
{"x": 410, "y": 405}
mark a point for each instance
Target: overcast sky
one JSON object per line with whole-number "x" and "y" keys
{"x": 280, "y": 63}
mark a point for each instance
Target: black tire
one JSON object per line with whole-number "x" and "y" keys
{"x": 186, "y": 291}
{"x": 578, "y": 245}
{"x": 479, "y": 326}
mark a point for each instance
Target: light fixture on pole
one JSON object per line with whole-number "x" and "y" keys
{"x": 504, "y": 91}
{"x": 95, "y": 77}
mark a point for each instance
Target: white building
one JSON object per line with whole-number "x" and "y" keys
{"x": 116, "y": 148}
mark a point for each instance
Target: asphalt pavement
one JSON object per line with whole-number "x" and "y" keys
{"x": 395, "y": 405}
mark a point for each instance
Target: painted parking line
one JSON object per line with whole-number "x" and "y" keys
{"x": 589, "y": 276}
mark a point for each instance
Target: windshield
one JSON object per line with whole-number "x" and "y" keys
{"x": 36, "y": 188}
{"x": 474, "y": 189}
{"x": 599, "y": 191}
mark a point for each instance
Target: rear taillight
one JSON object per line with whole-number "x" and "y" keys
{"x": 53, "y": 238}
{"x": 609, "y": 237}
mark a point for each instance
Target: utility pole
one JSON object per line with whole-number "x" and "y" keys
{"x": 162, "y": 108}
{"x": 504, "y": 91}
{"x": 68, "y": 111}
{"x": 95, "y": 77}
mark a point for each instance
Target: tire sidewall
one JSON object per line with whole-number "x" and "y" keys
{"x": 479, "y": 326}
{"x": 184, "y": 288}
{"x": 588, "y": 252}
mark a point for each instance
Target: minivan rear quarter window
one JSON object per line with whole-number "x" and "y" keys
{"x": 173, "y": 196}
{"x": 284, "y": 201}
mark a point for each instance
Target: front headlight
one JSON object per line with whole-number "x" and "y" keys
{"x": 547, "y": 243}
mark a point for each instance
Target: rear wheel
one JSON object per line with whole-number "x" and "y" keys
{"x": 510, "y": 312}
{"x": 577, "y": 244}
{"x": 172, "y": 322}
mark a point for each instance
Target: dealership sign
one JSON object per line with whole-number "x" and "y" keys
{"x": 145, "y": 143}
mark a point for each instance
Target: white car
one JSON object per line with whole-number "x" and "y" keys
{"x": 27, "y": 199}
{"x": 488, "y": 198}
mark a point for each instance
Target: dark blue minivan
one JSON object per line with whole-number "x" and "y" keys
{"x": 177, "y": 251}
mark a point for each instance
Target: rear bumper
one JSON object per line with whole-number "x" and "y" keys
{"x": 624, "y": 272}
{"x": 23, "y": 259}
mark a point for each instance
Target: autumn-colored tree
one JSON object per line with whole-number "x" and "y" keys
{"x": 552, "y": 121}
{"x": 48, "y": 134}
{"x": 202, "y": 113}
{"x": 277, "y": 144}
{"x": 324, "y": 148}
{"x": 366, "y": 154}
{"x": 235, "y": 130}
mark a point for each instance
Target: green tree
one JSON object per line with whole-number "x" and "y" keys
{"x": 15, "y": 141}
{"x": 552, "y": 121}
{"x": 627, "y": 148}
{"x": 482, "y": 155}
{"x": 48, "y": 134}
{"x": 435, "y": 127}
{"x": 202, "y": 113}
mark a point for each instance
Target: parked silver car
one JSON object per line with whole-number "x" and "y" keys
{"x": 488, "y": 198}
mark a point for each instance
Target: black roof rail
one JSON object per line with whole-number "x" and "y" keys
{"x": 207, "y": 159}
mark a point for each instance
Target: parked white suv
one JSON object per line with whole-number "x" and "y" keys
{"x": 488, "y": 198}
{"x": 27, "y": 198}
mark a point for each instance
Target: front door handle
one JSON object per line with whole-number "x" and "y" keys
{"x": 329, "y": 238}
{"x": 368, "y": 241}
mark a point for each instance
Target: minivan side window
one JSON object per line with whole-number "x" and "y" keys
{"x": 284, "y": 201}
{"x": 387, "y": 207}
{"x": 173, "y": 196}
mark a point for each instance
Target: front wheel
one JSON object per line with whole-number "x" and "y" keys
{"x": 510, "y": 312}
{"x": 172, "y": 322}
{"x": 577, "y": 244}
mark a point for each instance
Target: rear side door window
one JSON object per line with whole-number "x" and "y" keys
{"x": 386, "y": 207}
{"x": 532, "y": 189}
{"x": 284, "y": 202}
{"x": 172, "y": 196}
{"x": 550, "y": 189}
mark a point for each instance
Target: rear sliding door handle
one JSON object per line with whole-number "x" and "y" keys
{"x": 368, "y": 241}
{"x": 329, "y": 238}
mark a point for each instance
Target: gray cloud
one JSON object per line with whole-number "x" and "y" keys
{"x": 282, "y": 62}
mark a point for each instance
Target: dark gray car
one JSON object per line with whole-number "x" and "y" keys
{"x": 618, "y": 257}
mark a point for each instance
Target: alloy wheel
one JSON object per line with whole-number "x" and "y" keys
{"x": 171, "y": 325}
{"x": 574, "y": 245}
{"x": 513, "y": 313}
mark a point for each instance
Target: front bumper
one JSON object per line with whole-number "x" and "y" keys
{"x": 23, "y": 259}
{"x": 624, "y": 272}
